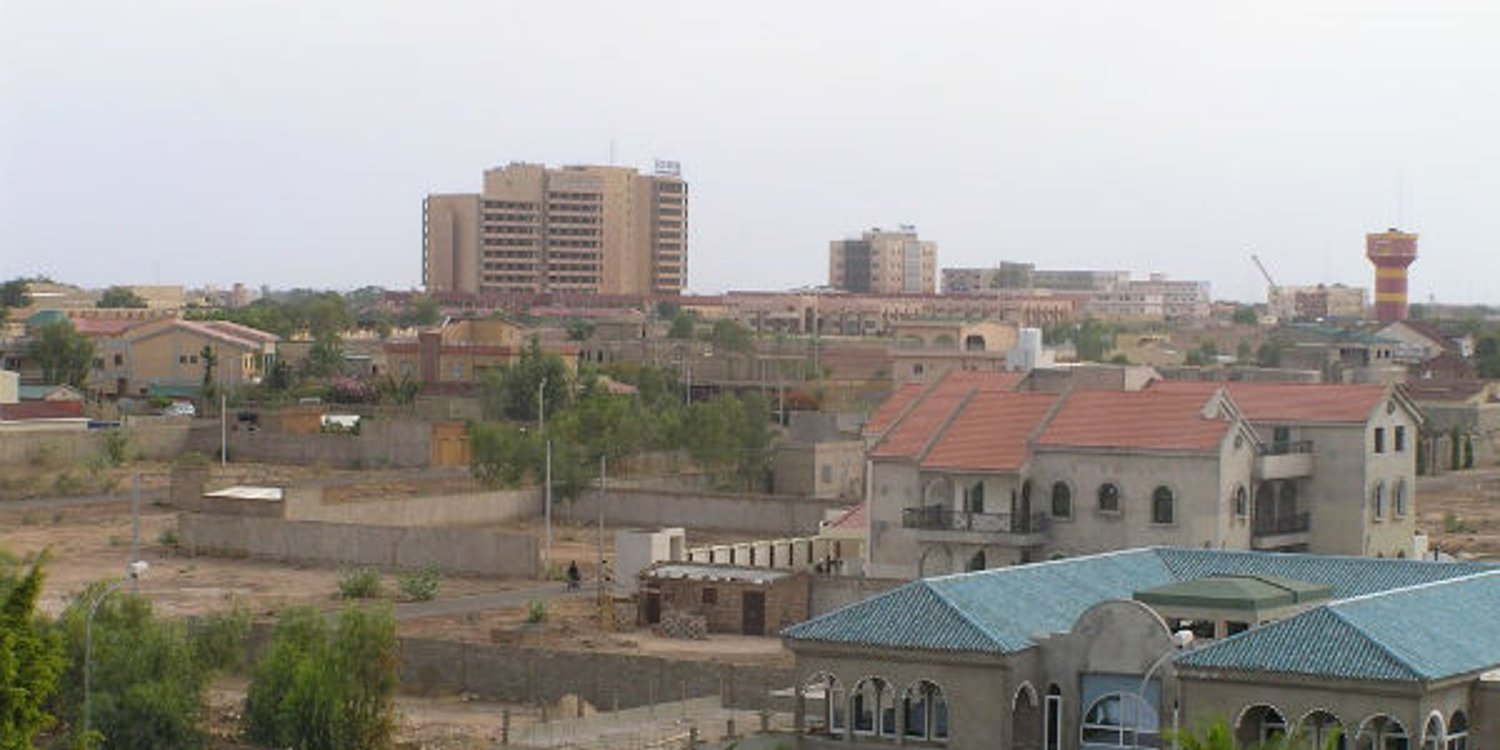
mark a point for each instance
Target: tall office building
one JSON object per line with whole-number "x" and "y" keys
{"x": 604, "y": 230}
{"x": 881, "y": 262}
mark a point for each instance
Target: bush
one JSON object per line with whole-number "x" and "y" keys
{"x": 536, "y": 612}
{"x": 359, "y": 583}
{"x": 421, "y": 585}
{"x": 117, "y": 447}
{"x": 321, "y": 687}
{"x": 168, "y": 537}
{"x": 219, "y": 640}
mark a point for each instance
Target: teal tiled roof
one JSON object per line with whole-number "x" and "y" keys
{"x": 1424, "y": 632}
{"x": 1004, "y": 610}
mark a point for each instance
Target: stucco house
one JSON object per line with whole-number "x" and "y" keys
{"x": 164, "y": 357}
{"x": 975, "y": 471}
{"x": 1106, "y": 651}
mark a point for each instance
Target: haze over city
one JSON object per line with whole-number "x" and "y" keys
{"x": 291, "y": 144}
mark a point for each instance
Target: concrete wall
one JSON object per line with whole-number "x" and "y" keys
{"x": 454, "y": 550}
{"x": 381, "y": 443}
{"x": 149, "y": 438}
{"x": 526, "y": 675}
{"x": 828, "y": 593}
{"x": 307, "y": 503}
{"x": 768, "y": 514}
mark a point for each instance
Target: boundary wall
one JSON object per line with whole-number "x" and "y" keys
{"x": 780, "y": 515}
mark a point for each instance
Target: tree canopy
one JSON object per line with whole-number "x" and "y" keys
{"x": 64, "y": 355}
{"x": 121, "y": 297}
{"x": 31, "y": 659}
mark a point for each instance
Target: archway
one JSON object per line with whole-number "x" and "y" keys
{"x": 935, "y": 561}
{"x": 824, "y": 705}
{"x": 924, "y": 710}
{"x": 872, "y": 711}
{"x": 1258, "y": 724}
{"x": 1320, "y": 727}
{"x": 1458, "y": 731}
{"x": 1433, "y": 735}
{"x": 1381, "y": 732}
{"x": 977, "y": 562}
{"x": 1026, "y": 719}
{"x": 974, "y": 343}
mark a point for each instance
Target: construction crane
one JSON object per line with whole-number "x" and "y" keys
{"x": 1273, "y": 292}
{"x": 1263, "y": 272}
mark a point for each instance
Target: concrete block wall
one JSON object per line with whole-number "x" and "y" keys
{"x": 766, "y": 514}
{"x": 529, "y": 675}
{"x": 454, "y": 550}
{"x": 307, "y": 503}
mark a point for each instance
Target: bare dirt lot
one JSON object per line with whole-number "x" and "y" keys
{"x": 1461, "y": 512}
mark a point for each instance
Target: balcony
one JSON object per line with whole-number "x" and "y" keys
{"x": 1284, "y": 460}
{"x": 1279, "y": 532}
{"x": 937, "y": 523}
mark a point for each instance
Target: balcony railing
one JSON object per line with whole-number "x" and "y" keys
{"x": 938, "y": 518}
{"x": 1292, "y": 524}
{"x": 1286, "y": 449}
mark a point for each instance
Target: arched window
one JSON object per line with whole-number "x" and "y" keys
{"x": 1121, "y": 720}
{"x": 1163, "y": 505}
{"x": 1241, "y": 502}
{"x": 1053, "y": 729}
{"x": 1381, "y": 732}
{"x": 1260, "y": 724}
{"x": 1109, "y": 497}
{"x": 1318, "y": 728}
{"x": 977, "y": 562}
{"x": 1377, "y": 500}
{"x": 1400, "y": 499}
{"x": 1458, "y": 731}
{"x": 874, "y": 708}
{"x": 926, "y": 711}
{"x": 1062, "y": 500}
{"x": 826, "y": 705}
{"x": 1432, "y": 734}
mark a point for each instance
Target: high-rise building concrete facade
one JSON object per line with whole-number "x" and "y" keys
{"x": 882, "y": 262}
{"x": 604, "y": 230}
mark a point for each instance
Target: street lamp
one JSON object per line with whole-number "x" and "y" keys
{"x": 1180, "y": 640}
{"x": 133, "y": 572}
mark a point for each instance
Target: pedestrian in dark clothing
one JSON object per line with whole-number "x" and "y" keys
{"x": 573, "y": 576}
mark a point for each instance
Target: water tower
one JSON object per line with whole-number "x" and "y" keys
{"x": 1391, "y": 251}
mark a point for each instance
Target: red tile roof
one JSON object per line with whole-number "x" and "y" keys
{"x": 103, "y": 326}
{"x": 990, "y": 433}
{"x": 891, "y": 409}
{"x": 1149, "y": 420}
{"x": 42, "y": 410}
{"x": 1291, "y": 402}
{"x": 912, "y": 433}
{"x": 856, "y": 518}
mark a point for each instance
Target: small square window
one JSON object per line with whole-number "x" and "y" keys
{"x": 1380, "y": 440}
{"x": 710, "y": 595}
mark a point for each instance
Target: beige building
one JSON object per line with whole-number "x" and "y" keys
{"x": 533, "y": 229}
{"x": 165, "y": 357}
{"x": 981, "y": 469}
{"x": 883, "y": 262}
{"x": 1109, "y": 651}
{"x": 462, "y": 351}
{"x": 926, "y": 349}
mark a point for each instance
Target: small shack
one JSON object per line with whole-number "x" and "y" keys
{"x": 730, "y": 598}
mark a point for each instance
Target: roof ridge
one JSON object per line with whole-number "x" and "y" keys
{"x": 1324, "y": 610}
{"x": 941, "y": 431}
{"x": 906, "y": 411}
{"x": 1417, "y": 586}
{"x": 1384, "y": 647}
{"x": 963, "y": 614}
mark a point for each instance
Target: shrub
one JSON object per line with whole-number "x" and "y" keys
{"x": 117, "y": 447}
{"x": 168, "y": 537}
{"x": 219, "y": 640}
{"x": 67, "y": 483}
{"x": 536, "y": 612}
{"x": 421, "y": 585}
{"x": 322, "y": 687}
{"x": 359, "y": 583}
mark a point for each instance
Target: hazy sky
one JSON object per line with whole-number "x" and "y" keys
{"x": 290, "y": 143}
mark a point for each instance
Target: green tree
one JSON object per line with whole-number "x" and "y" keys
{"x": 732, "y": 337}
{"x": 31, "y": 659}
{"x": 1245, "y": 315}
{"x": 279, "y": 376}
{"x": 15, "y": 293}
{"x": 683, "y": 325}
{"x": 1093, "y": 340}
{"x": 121, "y": 297}
{"x": 1207, "y": 353}
{"x": 1487, "y": 356}
{"x": 580, "y": 330}
{"x": 149, "y": 684}
{"x": 420, "y": 311}
{"x": 65, "y": 355}
{"x": 326, "y": 357}
{"x": 1269, "y": 353}
{"x": 511, "y": 392}
{"x": 322, "y": 687}
{"x": 1244, "y": 352}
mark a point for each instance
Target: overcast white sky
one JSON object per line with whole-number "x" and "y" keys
{"x": 290, "y": 143}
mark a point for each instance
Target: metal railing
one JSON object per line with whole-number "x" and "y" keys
{"x": 938, "y": 518}
{"x": 1284, "y": 449}
{"x": 1292, "y": 524}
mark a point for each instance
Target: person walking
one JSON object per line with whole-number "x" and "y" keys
{"x": 573, "y": 576}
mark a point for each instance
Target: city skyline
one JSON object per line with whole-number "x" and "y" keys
{"x": 290, "y": 146}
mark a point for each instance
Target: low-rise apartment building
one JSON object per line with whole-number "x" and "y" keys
{"x": 166, "y": 357}
{"x": 984, "y": 469}
{"x": 1108, "y": 651}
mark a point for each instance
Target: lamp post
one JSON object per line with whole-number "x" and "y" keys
{"x": 1180, "y": 640}
{"x": 133, "y": 572}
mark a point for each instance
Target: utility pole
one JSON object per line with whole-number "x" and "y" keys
{"x": 541, "y": 424}
{"x": 223, "y": 430}
{"x": 135, "y": 528}
{"x": 602, "y": 594}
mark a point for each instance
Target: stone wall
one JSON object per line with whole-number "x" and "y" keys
{"x": 307, "y": 503}
{"x": 148, "y": 438}
{"x": 514, "y": 674}
{"x": 765, "y": 514}
{"x": 380, "y": 443}
{"x": 454, "y": 550}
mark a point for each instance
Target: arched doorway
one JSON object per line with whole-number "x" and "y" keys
{"x": 1381, "y": 732}
{"x": 1259, "y": 724}
{"x": 1433, "y": 735}
{"x": 1020, "y": 509}
{"x": 977, "y": 562}
{"x": 1319, "y": 728}
{"x": 1026, "y": 719}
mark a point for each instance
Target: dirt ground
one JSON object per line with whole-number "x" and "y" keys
{"x": 1461, "y": 512}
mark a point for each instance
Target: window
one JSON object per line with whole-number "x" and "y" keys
{"x": 926, "y": 711}
{"x": 710, "y": 595}
{"x": 874, "y": 708}
{"x": 1054, "y": 725}
{"x": 1400, "y": 438}
{"x": 119, "y": 360}
{"x": 1458, "y": 732}
{"x": 1062, "y": 500}
{"x": 1432, "y": 734}
{"x": 1121, "y": 720}
{"x": 1109, "y": 497}
{"x": 1241, "y": 502}
{"x": 1380, "y": 440}
{"x": 825, "y": 715}
{"x": 1383, "y": 733}
{"x": 1163, "y": 504}
{"x": 1400, "y": 499}
{"x": 1377, "y": 500}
